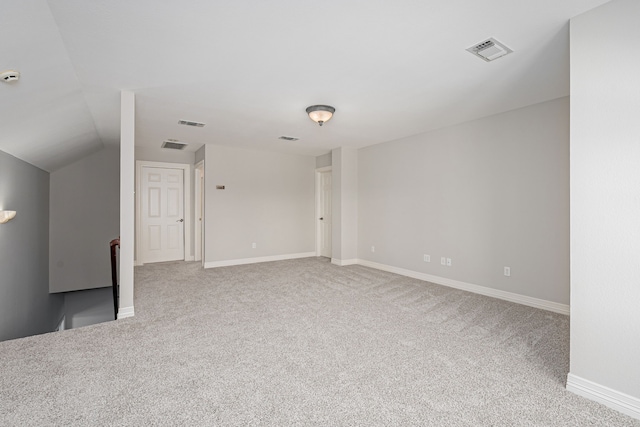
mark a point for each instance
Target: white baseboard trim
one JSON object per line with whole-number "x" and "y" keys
{"x": 231, "y": 262}
{"x": 140, "y": 264}
{"x": 343, "y": 262}
{"x": 124, "y": 312}
{"x": 477, "y": 289}
{"x": 621, "y": 402}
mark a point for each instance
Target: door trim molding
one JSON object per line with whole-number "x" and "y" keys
{"x": 319, "y": 171}
{"x": 186, "y": 168}
{"x": 198, "y": 203}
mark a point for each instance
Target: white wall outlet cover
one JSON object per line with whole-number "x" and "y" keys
{"x": 427, "y": 258}
{"x": 448, "y": 262}
{"x": 253, "y": 245}
{"x": 373, "y": 248}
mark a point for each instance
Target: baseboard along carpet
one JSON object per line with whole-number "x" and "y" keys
{"x": 299, "y": 343}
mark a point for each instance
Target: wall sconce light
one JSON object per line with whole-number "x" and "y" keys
{"x": 320, "y": 113}
{"x": 6, "y": 216}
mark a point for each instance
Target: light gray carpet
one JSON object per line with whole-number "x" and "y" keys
{"x": 299, "y": 343}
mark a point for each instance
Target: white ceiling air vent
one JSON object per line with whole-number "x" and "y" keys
{"x": 489, "y": 50}
{"x": 190, "y": 123}
{"x": 288, "y": 138}
{"x": 10, "y": 76}
{"x": 173, "y": 144}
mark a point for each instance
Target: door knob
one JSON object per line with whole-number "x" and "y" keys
{"x": 180, "y": 220}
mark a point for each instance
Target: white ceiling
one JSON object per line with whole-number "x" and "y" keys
{"x": 248, "y": 69}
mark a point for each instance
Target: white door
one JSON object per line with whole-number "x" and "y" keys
{"x": 324, "y": 221}
{"x": 162, "y": 214}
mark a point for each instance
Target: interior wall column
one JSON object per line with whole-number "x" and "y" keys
{"x": 605, "y": 206}
{"x": 344, "y": 211}
{"x": 127, "y": 202}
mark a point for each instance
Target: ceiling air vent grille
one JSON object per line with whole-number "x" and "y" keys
{"x": 172, "y": 144}
{"x": 289, "y": 138}
{"x": 489, "y": 50}
{"x": 190, "y": 123}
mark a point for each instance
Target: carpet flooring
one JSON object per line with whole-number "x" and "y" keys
{"x": 299, "y": 343}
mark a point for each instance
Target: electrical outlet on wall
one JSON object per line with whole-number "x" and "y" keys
{"x": 427, "y": 258}
{"x": 507, "y": 271}
{"x": 253, "y": 245}
{"x": 448, "y": 262}
{"x": 373, "y": 248}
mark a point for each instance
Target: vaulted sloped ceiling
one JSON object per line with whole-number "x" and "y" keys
{"x": 248, "y": 69}
{"x": 44, "y": 119}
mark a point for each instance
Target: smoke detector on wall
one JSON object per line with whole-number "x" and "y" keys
{"x": 10, "y": 76}
{"x": 489, "y": 50}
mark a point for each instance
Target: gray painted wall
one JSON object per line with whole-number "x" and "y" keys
{"x": 269, "y": 199}
{"x": 199, "y": 155}
{"x": 324, "y": 160}
{"x": 165, "y": 155}
{"x": 605, "y": 207}
{"x": 488, "y": 193}
{"x": 344, "y": 205}
{"x": 26, "y": 307}
{"x": 84, "y": 218}
{"x": 88, "y": 307}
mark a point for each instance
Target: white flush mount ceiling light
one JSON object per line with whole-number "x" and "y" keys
{"x": 6, "y": 216}
{"x": 489, "y": 50}
{"x": 320, "y": 113}
{"x": 10, "y": 76}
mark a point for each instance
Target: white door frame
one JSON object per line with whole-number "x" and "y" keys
{"x": 199, "y": 206}
{"x": 188, "y": 256}
{"x": 319, "y": 171}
